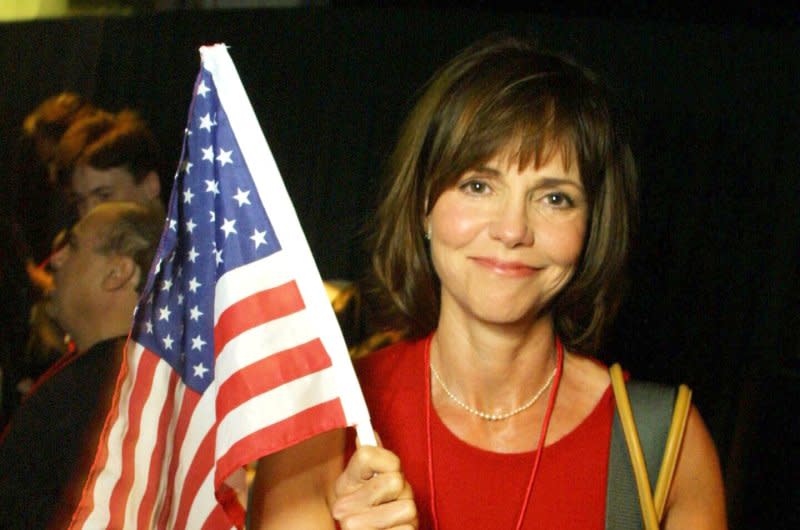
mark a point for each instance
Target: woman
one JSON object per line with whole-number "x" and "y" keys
{"x": 500, "y": 250}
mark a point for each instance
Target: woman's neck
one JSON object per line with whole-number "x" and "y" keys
{"x": 494, "y": 367}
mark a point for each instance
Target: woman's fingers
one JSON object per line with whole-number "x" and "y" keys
{"x": 381, "y": 488}
{"x": 400, "y": 514}
{"x": 372, "y": 493}
{"x": 366, "y": 462}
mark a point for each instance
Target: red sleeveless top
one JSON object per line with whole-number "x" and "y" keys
{"x": 475, "y": 488}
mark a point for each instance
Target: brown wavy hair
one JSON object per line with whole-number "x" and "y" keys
{"x": 104, "y": 141}
{"x": 503, "y": 92}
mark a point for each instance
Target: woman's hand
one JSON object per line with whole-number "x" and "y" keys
{"x": 372, "y": 493}
{"x": 305, "y": 486}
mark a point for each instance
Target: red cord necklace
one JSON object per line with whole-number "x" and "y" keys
{"x": 551, "y": 400}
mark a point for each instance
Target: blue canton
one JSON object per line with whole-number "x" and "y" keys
{"x": 216, "y": 223}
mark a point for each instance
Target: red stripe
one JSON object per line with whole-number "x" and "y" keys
{"x": 219, "y": 519}
{"x": 141, "y": 390}
{"x": 86, "y": 504}
{"x": 188, "y": 405}
{"x": 157, "y": 462}
{"x": 271, "y": 372}
{"x": 255, "y": 310}
{"x": 305, "y": 424}
{"x": 201, "y": 465}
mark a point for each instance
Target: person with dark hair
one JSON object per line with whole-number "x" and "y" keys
{"x": 99, "y": 157}
{"x": 109, "y": 157}
{"x": 499, "y": 251}
{"x": 47, "y": 447}
{"x": 36, "y": 202}
{"x": 35, "y": 210}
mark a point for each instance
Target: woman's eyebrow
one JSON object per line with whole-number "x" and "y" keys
{"x": 558, "y": 181}
{"x": 488, "y": 170}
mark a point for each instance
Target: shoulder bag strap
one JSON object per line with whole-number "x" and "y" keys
{"x": 635, "y": 450}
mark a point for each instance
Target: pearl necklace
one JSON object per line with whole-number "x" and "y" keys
{"x": 493, "y": 417}
{"x": 556, "y": 380}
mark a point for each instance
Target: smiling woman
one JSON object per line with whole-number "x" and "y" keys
{"x": 499, "y": 252}
{"x": 504, "y": 240}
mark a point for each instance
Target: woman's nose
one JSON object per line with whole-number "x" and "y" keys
{"x": 513, "y": 226}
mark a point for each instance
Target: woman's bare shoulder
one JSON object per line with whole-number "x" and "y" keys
{"x": 583, "y": 384}
{"x": 696, "y": 499}
{"x": 586, "y": 375}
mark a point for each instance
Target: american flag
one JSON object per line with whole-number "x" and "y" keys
{"x": 235, "y": 351}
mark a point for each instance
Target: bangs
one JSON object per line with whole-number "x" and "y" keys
{"x": 528, "y": 120}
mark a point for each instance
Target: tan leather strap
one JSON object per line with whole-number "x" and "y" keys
{"x": 652, "y": 506}
{"x": 649, "y": 515}
{"x": 680, "y": 415}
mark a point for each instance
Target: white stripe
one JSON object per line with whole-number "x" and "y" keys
{"x": 262, "y": 341}
{"x": 283, "y": 218}
{"x": 276, "y": 405}
{"x": 200, "y": 508}
{"x": 146, "y": 441}
{"x": 199, "y": 425}
{"x": 164, "y": 478}
{"x": 239, "y": 283}
{"x": 108, "y": 477}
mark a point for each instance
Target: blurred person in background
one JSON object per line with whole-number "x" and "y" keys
{"x": 47, "y": 447}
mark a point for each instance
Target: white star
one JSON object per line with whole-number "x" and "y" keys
{"x": 213, "y": 215}
{"x": 224, "y": 157}
{"x": 164, "y": 313}
{"x": 195, "y": 313}
{"x": 180, "y": 299}
{"x": 188, "y": 196}
{"x": 258, "y": 237}
{"x": 158, "y": 264}
{"x": 200, "y": 370}
{"x": 212, "y": 186}
{"x": 148, "y": 326}
{"x": 218, "y": 257}
{"x": 208, "y": 153}
{"x": 166, "y": 285}
{"x": 241, "y": 196}
{"x": 173, "y": 225}
{"x": 179, "y": 271}
{"x": 202, "y": 89}
{"x": 194, "y": 284}
{"x": 168, "y": 342}
{"x": 190, "y": 226}
{"x": 198, "y": 343}
{"x": 228, "y": 228}
{"x": 206, "y": 123}
{"x": 193, "y": 255}
{"x": 187, "y": 167}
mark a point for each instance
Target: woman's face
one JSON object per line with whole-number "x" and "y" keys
{"x": 504, "y": 242}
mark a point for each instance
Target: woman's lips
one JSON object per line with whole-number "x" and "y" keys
{"x": 506, "y": 268}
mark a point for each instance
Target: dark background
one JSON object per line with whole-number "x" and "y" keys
{"x": 715, "y": 100}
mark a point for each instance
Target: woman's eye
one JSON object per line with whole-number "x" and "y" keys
{"x": 475, "y": 187}
{"x": 559, "y": 200}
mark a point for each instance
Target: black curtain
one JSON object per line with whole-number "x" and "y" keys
{"x": 714, "y": 284}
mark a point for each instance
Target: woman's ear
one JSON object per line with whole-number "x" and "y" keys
{"x": 120, "y": 271}
{"x": 426, "y": 219}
